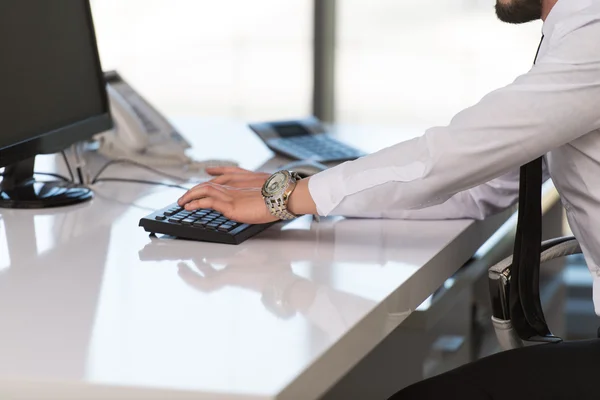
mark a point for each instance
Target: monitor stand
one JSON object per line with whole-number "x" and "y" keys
{"x": 18, "y": 189}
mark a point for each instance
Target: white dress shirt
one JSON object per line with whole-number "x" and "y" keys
{"x": 470, "y": 168}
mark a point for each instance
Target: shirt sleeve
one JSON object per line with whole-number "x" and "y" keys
{"x": 551, "y": 105}
{"x": 478, "y": 203}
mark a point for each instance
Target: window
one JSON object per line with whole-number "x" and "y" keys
{"x": 244, "y": 59}
{"x": 419, "y": 62}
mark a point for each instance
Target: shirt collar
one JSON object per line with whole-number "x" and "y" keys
{"x": 561, "y": 10}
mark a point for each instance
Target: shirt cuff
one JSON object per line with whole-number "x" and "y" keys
{"x": 327, "y": 189}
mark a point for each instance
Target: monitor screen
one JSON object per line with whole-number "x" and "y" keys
{"x": 50, "y": 75}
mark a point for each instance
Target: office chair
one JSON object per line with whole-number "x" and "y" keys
{"x": 526, "y": 325}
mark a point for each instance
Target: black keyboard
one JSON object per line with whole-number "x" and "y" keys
{"x": 205, "y": 225}
{"x": 320, "y": 147}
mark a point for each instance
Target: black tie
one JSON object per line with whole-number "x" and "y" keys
{"x": 525, "y": 307}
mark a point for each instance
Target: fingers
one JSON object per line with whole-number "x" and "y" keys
{"x": 224, "y": 207}
{"x": 238, "y": 180}
{"x": 244, "y": 184}
{"x": 210, "y": 184}
{"x": 214, "y": 171}
{"x": 203, "y": 191}
{"x": 225, "y": 179}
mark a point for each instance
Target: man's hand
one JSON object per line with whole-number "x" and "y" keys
{"x": 235, "y": 193}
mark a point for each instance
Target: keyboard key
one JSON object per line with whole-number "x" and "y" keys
{"x": 212, "y": 225}
{"x": 224, "y": 228}
{"x": 175, "y": 220}
{"x": 187, "y": 221}
{"x": 160, "y": 218}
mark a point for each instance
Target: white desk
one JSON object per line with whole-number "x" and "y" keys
{"x": 91, "y": 307}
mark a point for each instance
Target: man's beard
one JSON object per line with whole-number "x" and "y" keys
{"x": 519, "y": 11}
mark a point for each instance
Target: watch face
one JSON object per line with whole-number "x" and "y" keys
{"x": 275, "y": 183}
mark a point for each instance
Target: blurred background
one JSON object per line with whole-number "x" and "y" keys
{"x": 409, "y": 62}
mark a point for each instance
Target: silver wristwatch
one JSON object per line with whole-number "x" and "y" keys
{"x": 277, "y": 190}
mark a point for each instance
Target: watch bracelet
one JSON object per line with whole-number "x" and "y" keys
{"x": 278, "y": 208}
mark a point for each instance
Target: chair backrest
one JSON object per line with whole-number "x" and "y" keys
{"x": 509, "y": 328}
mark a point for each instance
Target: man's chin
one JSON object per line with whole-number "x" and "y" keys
{"x": 518, "y": 13}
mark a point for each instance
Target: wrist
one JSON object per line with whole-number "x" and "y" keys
{"x": 300, "y": 201}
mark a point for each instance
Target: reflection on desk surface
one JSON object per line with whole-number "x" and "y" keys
{"x": 85, "y": 295}
{"x": 47, "y": 301}
{"x": 283, "y": 292}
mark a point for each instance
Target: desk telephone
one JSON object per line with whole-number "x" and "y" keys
{"x": 141, "y": 133}
{"x": 304, "y": 139}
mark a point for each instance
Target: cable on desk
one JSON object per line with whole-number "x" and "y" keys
{"x": 64, "y": 155}
{"x": 141, "y": 181}
{"x": 137, "y": 164}
{"x": 110, "y": 179}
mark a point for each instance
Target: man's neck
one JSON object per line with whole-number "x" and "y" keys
{"x": 547, "y": 6}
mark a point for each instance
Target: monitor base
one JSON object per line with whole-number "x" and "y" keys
{"x": 18, "y": 189}
{"x": 44, "y": 195}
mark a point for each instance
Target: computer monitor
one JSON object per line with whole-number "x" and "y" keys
{"x": 52, "y": 95}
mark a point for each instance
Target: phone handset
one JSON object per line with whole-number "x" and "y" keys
{"x": 142, "y": 133}
{"x": 151, "y": 142}
{"x": 128, "y": 125}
